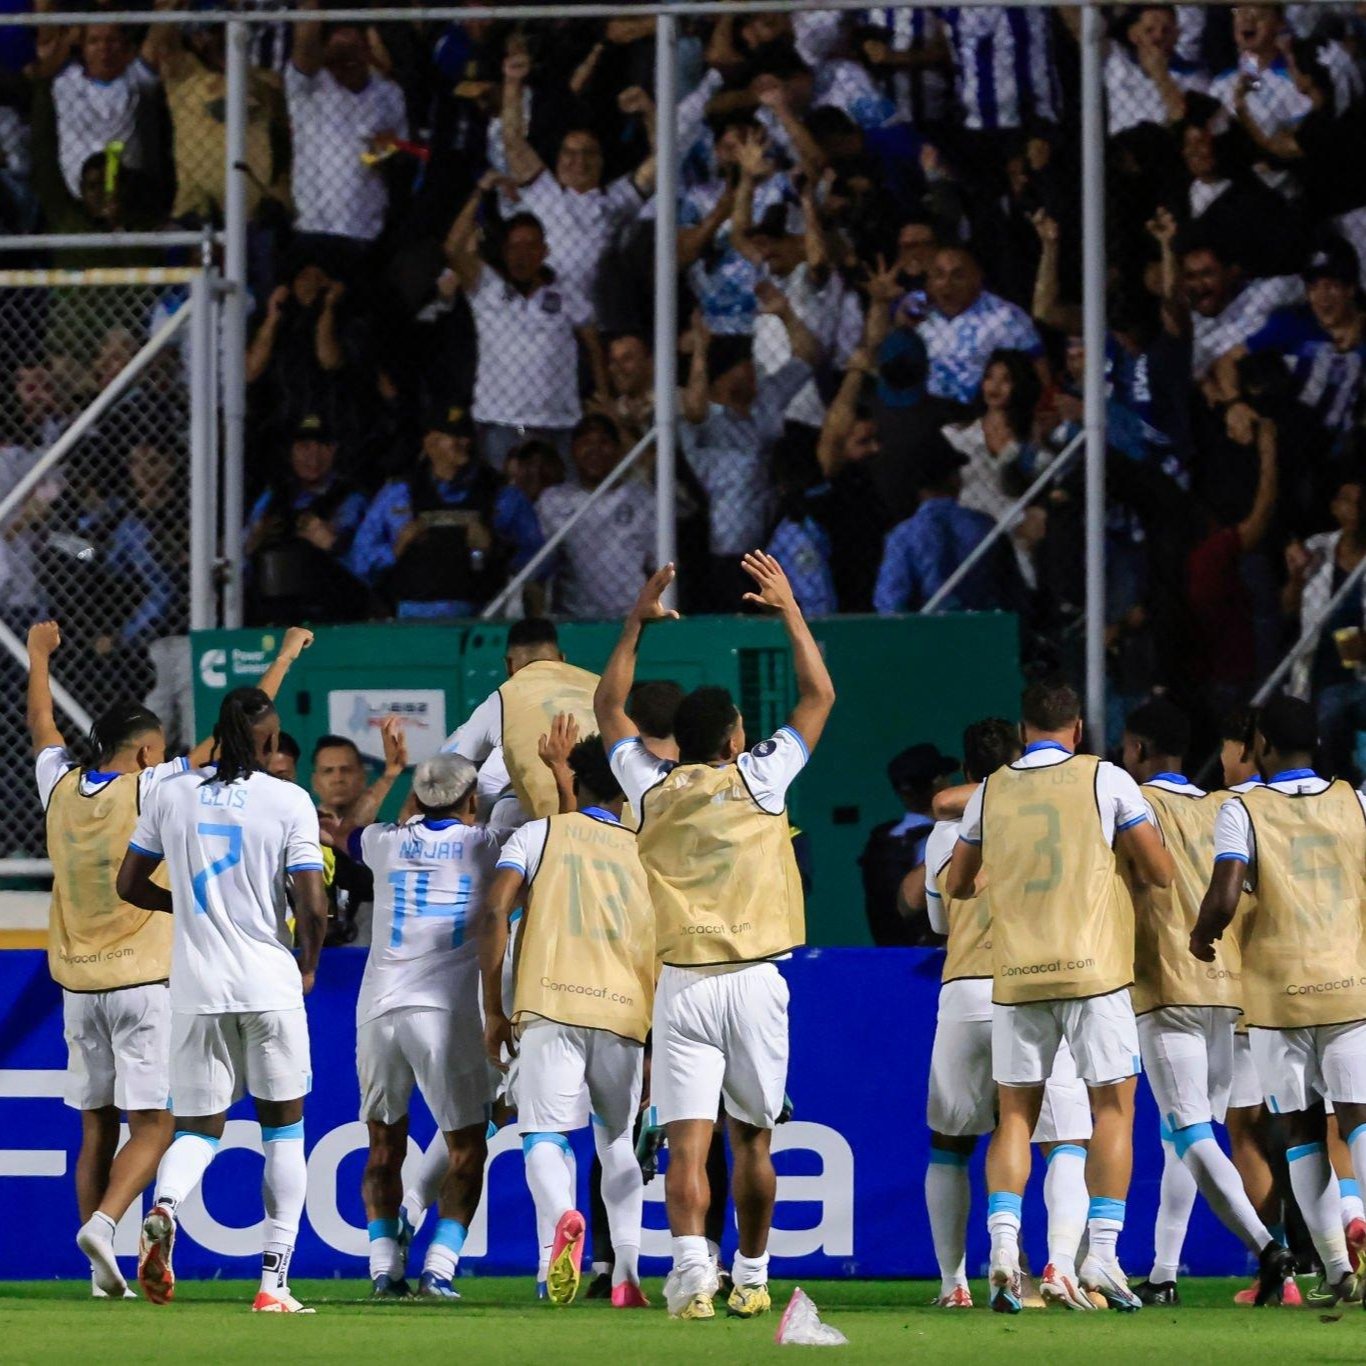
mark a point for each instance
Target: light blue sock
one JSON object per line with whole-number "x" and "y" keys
{"x": 443, "y": 1256}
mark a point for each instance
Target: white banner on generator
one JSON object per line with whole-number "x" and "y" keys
{"x": 358, "y": 713}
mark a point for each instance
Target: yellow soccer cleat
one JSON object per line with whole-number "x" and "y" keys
{"x": 748, "y": 1302}
{"x": 566, "y": 1258}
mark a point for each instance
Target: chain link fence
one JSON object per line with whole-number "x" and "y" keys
{"x": 450, "y": 256}
{"x": 100, "y": 542}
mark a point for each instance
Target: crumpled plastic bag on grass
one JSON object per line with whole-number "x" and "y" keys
{"x": 801, "y": 1326}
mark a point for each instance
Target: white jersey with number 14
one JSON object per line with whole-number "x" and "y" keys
{"x": 229, "y": 848}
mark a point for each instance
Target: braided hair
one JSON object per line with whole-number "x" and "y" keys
{"x": 114, "y": 729}
{"x": 234, "y": 742}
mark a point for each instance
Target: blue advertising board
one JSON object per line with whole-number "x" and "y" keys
{"x": 851, "y": 1163}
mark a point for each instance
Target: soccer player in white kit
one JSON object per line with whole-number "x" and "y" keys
{"x": 962, "y": 1096}
{"x": 1187, "y": 1012}
{"x": 585, "y": 985}
{"x": 418, "y": 1019}
{"x": 233, "y": 838}
{"x": 716, "y": 848}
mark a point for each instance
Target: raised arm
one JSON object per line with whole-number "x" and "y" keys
{"x": 636, "y": 100}
{"x": 366, "y": 811}
{"x": 43, "y": 640}
{"x": 554, "y": 749}
{"x": 461, "y": 246}
{"x": 696, "y": 401}
{"x": 693, "y": 241}
{"x": 297, "y": 640}
{"x": 772, "y": 301}
{"x": 1254, "y": 526}
{"x": 1175, "y": 313}
{"x": 523, "y": 163}
{"x": 753, "y": 162}
{"x": 609, "y": 701}
{"x": 815, "y": 690}
{"x": 503, "y": 897}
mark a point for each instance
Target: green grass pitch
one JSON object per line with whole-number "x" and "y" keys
{"x": 886, "y": 1321}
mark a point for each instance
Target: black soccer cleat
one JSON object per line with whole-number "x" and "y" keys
{"x": 1162, "y": 1293}
{"x": 600, "y": 1287}
{"x": 1275, "y": 1266}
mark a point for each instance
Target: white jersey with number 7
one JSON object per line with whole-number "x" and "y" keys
{"x": 229, "y": 848}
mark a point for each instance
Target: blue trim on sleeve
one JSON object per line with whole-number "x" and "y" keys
{"x": 629, "y": 740}
{"x": 1227, "y": 855}
{"x": 146, "y": 853}
{"x": 304, "y": 868}
{"x": 797, "y": 738}
{"x": 510, "y": 863}
{"x": 964, "y": 839}
{"x": 1130, "y": 823}
{"x": 929, "y": 891}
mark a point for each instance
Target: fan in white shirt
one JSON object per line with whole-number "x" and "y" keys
{"x": 233, "y": 838}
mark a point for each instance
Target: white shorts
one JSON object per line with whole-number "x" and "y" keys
{"x": 217, "y": 1059}
{"x": 1246, "y": 1091}
{"x": 1297, "y": 1067}
{"x": 720, "y": 1034}
{"x": 1065, "y": 1115}
{"x": 1188, "y": 1057}
{"x": 563, "y": 1070}
{"x": 1099, "y": 1030}
{"x": 118, "y": 1047}
{"x": 441, "y": 1051}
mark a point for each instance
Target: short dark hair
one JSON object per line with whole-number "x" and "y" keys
{"x": 288, "y": 746}
{"x": 1162, "y": 725}
{"x": 1288, "y": 725}
{"x": 532, "y": 631}
{"x": 653, "y": 705}
{"x": 118, "y": 726}
{"x": 704, "y": 718}
{"x": 336, "y": 742}
{"x": 988, "y": 745}
{"x": 592, "y": 769}
{"x": 1239, "y": 725}
{"x": 1050, "y": 704}
{"x": 522, "y": 220}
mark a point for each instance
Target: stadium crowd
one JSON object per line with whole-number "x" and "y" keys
{"x": 879, "y": 225}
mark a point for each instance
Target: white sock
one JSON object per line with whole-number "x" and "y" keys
{"x": 384, "y": 1254}
{"x": 1003, "y": 1223}
{"x": 284, "y": 1187}
{"x": 1316, "y": 1193}
{"x": 1173, "y": 1215}
{"x": 690, "y": 1252}
{"x": 546, "y": 1157}
{"x": 714, "y": 1251}
{"x": 1065, "y": 1198}
{"x": 1221, "y": 1185}
{"x": 431, "y": 1172}
{"x": 443, "y": 1253}
{"x": 183, "y": 1166}
{"x": 623, "y": 1195}
{"x": 1104, "y": 1223}
{"x": 750, "y": 1270}
{"x": 100, "y": 1226}
{"x": 1356, "y": 1145}
{"x": 948, "y": 1197}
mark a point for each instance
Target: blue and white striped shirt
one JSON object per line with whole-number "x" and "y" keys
{"x": 1003, "y": 64}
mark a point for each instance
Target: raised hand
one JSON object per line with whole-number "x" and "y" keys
{"x": 395, "y": 738}
{"x": 775, "y": 592}
{"x": 649, "y": 606}
{"x": 44, "y": 637}
{"x": 297, "y": 640}
{"x": 555, "y": 747}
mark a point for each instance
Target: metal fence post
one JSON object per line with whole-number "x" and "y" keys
{"x": 666, "y": 283}
{"x": 1093, "y": 329}
{"x": 203, "y": 533}
{"x": 234, "y": 331}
